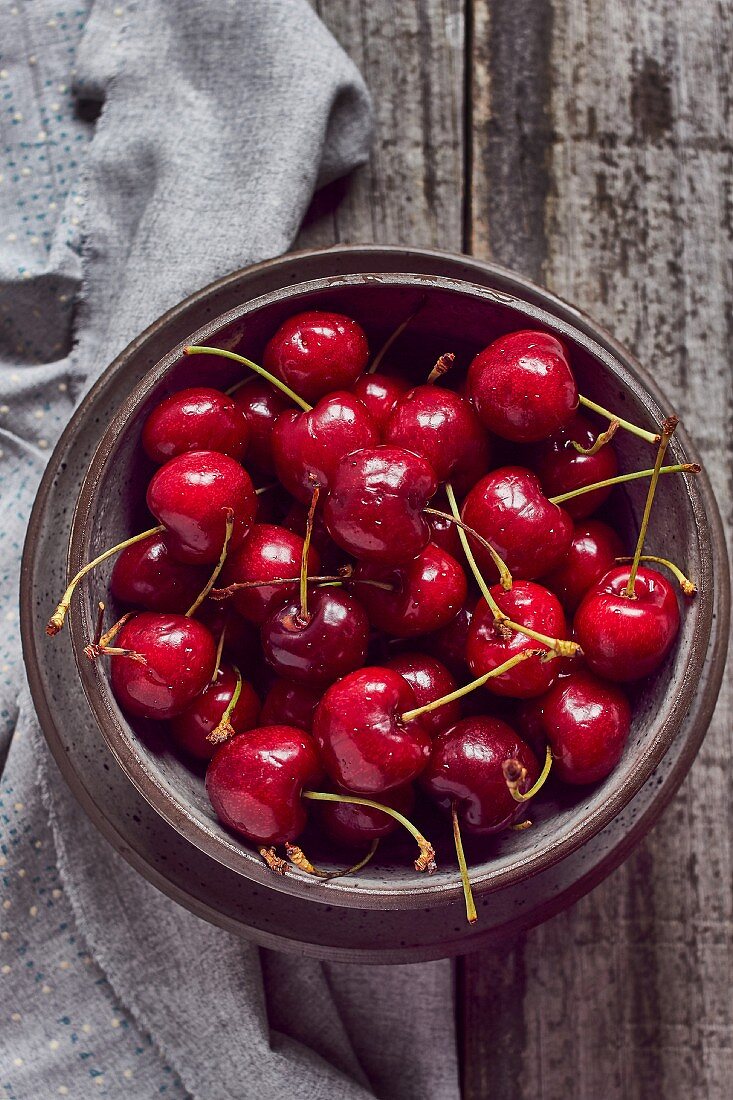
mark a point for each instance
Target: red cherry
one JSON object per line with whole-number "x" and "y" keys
{"x": 623, "y": 638}
{"x": 429, "y": 680}
{"x": 268, "y": 553}
{"x": 592, "y": 553}
{"x": 522, "y": 386}
{"x": 255, "y": 783}
{"x": 329, "y": 642}
{"x": 191, "y": 728}
{"x": 308, "y": 446}
{"x": 146, "y": 575}
{"x": 467, "y": 768}
{"x": 375, "y": 505}
{"x": 527, "y": 719}
{"x": 179, "y": 656}
{"x": 317, "y": 352}
{"x": 355, "y": 826}
{"x": 195, "y": 419}
{"x": 509, "y": 509}
{"x": 561, "y": 468}
{"x": 449, "y": 644}
{"x": 379, "y": 393}
{"x": 586, "y": 722}
{"x": 529, "y": 605}
{"x": 242, "y": 639}
{"x": 190, "y": 495}
{"x": 364, "y": 744}
{"x": 427, "y": 593}
{"x": 290, "y": 704}
{"x": 261, "y": 405}
{"x": 444, "y": 533}
{"x": 442, "y": 427}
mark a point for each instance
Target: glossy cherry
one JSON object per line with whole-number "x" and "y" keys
{"x": 379, "y": 394}
{"x": 522, "y": 386}
{"x": 268, "y": 553}
{"x": 255, "y": 783}
{"x": 444, "y": 533}
{"x": 363, "y": 741}
{"x": 147, "y": 575}
{"x": 316, "y": 352}
{"x": 592, "y": 553}
{"x": 427, "y": 592}
{"x": 191, "y": 494}
{"x": 290, "y": 704}
{"x": 510, "y": 510}
{"x": 586, "y": 722}
{"x": 261, "y": 405}
{"x": 375, "y": 505}
{"x": 466, "y": 767}
{"x": 192, "y": 727}
{"x": 441, "y": 426}
{"x": 625, "y": 638}
{"x": 561, "y": 468}
{"x": 429, "y": 680}
{"x": 195, "y": 419}
{"x": 449, "y": 643}
{"x": 178, "y": 662}
{"x": 356, "y": 826}
{"x": 331, "y": 640}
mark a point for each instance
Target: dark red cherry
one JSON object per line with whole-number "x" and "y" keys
{"x": 330, "y": 642}
{"x": 147, "y": 575}
{"x": 427, "y": 593}
{"x": 255, "y": 783}
{"x": 190, "y": 495}
{"x": 317, "y": 352}
{"x": 529, "y": 605}
{"x": 466, "y": 767}
{"x": 290, "y": 704}
{"x": 561, "y": 468}
{"x": 623, "y": 638}
{"x": 509, "y": 509}
{"x": 527, "y": 720}
{"x": 308, "y": 446}
{"x": 179, "y": 656}
{"x": 356, "y": 826}
{"x": 592, "y": 553}
{"x": 268, "y": 553}
{"x": 375, "y": 505}
{"x": 429, "y": 680}
{"x": 444, "y": 533}
{"x": 195, "y": 419}
{"x": 442, "y": 427}
{"x": 522, "y": 386}
{"x": 331, "y": 556}
{"x": 449, "y": 643}
{"x": 242, "y": 638}
{"x": 191, "y": 728}
{"x": 363, "y": 741}
{"x": 379, "y": 393}
{"x": 587, "y": 723}
{"x": 261, "y": 405}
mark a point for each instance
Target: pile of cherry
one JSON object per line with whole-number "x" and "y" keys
{"x": 375, "y": 606}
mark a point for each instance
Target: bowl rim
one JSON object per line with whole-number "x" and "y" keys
{"x": 231, "y": 853}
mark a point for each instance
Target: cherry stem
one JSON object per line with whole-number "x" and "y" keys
{"x": 374, "y": 366}
{"x": 688, "y": 587}
{"x": 304, "y": 556}
{"x": 426, "y": 859}
{"x": 679, "y": 468}
{"x": 266, "y": 488}
{"x": 219, "y": 651}
{"x": 642, "y": 433}
{"x": 200, "y": 349}
{"x": 101, "y": 642}
{"x": 275, "y": 862}
{"x": 517, "y": 659}
{"x": 521, "y": 825}
{"x": 471, "y": 914}
{"x": 600, "y": 441}
{"x": 505, "y": 577}
{"x": 224, "y": 728}
{"x": 225, "y": 593}
{"x": 516, "y": 773}
{"x": 56, "y": 621}
{"x": 297, "y": 856}
{"x": 217, "y": 568}
{"x": 668, "y": 430}
{"x": 99, "y": 628}
{"x": 442, "y": 366}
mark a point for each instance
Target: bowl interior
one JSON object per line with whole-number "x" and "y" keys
{"x": 453, "y": 316}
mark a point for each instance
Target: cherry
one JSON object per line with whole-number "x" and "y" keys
{"x": 509, "y": 509}
{"x": 241, "y": 638}
{"x": 379, "y": 393}
{"x": 592, "y": 553}
{"x": 190, "y": 496}
{"x": 354, "y": 825}
{"x": 289, "y": 704}
{"x": 323, "y": 644}
{"x": 429, "y": 680}
{"x": 195, "y": 419}
{"x": 193, "y": 726}
{"x": 255, "y": 782}
{"x": 427, "y": 593}
{"x": 269, "y": 552}
{"x": 308, "y": 446}
{"x": 467, "y": 769}
{"x": 363, "y": 741}
{"x": 627, "y": 637}
{"x": 444, "y": 533}
{"x": 146, "y": 575}
{"x": 442, "y": 427}
{"x": 488, "y": 646}
{"x": 562, "y": 468}
{"x": 261, "y": 405}
{"x": 375, "y": 505}
{"x": 331, "y": 556}
{"x": 449, "y": 643}
{"x": 316, "y": 352}
{"x": 174, "y": 661}
{"x": 522, "y": 386}
{"x": 586, "y": 722}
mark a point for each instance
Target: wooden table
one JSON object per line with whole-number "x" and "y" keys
{"x": 587, "y": 144}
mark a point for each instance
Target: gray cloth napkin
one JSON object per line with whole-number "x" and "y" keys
{"x": 218, "y": 121}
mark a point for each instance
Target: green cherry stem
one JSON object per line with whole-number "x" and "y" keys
{"x": 688, "y": 587}
{"x": 304, "y": 556}
{"x": 650, "y": 437}
{"x": 217, "y": 568}
{"x": 471, "y": 914}
{"x": 224, "y": 728}
{"x": 426, "y": 859}
{"x": 298, "y": 857}
{"x": 668, "y": 429}
{"x": 225, "y": 593}
{"x": 600, "y": 441}
{"x": 679, "y": 468}
{"x": 515, "y": 774}
{"x": 505, "y": 577}
{"x": 442, "y": 366}
{"x": 219, "y": 651}
{"x": 201, "y": 349}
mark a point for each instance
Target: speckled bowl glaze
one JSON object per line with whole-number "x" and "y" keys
{"x": 154, "y": 807}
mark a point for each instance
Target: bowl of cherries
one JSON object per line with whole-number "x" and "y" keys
{"x": 389, "y": 591}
